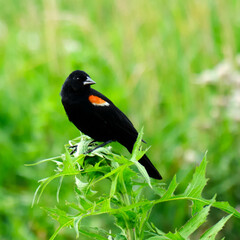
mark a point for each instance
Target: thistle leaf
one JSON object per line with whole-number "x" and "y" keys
{"x": 211, "y": 233}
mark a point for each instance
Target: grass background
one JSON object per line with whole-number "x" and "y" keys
{"x": 144, "y": 55}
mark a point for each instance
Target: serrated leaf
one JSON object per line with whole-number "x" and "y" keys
{"x": 198, "y": 181}
{"x": 170, "y": 191}
{"x": 197, "y": 206}
{"x": 58, "y": 214}
{"x": 144, "y": 173}
{"x": 60, "y": 228}
{"x": 80, "y": 184}
{"x": 68, "y": 163}
{"x": 137, "y": 153}
{"x": 136, "y": 147}
{"x": 211, "y": 233}
{"x": 195, "y": 222}
{"x": 225, "y": 206}
{"x": 76, "y": 207}
{"x": 94, "y": 234}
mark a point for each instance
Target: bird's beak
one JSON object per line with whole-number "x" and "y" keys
{"x": 88, "y": 81}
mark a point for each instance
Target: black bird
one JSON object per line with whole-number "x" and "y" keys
{"x": 96, "y": 116}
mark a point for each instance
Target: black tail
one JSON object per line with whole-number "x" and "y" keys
{"x": 151, "y": 170}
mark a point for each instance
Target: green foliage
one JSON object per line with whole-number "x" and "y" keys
{"x": 125, "y": 200}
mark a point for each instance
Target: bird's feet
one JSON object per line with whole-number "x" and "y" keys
{"x": 101, "y": 145}
{"x": 74, "y": 149}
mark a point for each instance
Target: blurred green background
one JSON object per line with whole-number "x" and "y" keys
{"x": 171, "y": 66}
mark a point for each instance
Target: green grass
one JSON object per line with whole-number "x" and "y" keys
{"x": 146, "y": 57}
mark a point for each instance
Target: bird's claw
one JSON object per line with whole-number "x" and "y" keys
{"x": 74, "y": 149}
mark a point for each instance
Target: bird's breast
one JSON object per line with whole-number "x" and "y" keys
{"x": 89, "y": 121}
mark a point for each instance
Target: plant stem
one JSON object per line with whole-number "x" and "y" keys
{"x": 126, "y": 202}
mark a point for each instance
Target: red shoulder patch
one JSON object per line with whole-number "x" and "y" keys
{"x": 97, "y": 101}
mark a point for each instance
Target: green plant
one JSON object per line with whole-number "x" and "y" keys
{"x": 125, "y": 200}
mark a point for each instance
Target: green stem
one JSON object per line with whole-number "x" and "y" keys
{"x": 131, "y": 235}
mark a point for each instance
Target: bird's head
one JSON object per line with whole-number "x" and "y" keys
{"x": 79, "y": 80}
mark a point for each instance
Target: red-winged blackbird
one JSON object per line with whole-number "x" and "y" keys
{"x": 96, "y": 116}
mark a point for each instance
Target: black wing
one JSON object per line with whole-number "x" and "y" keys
{"x": 122, "y": 128}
